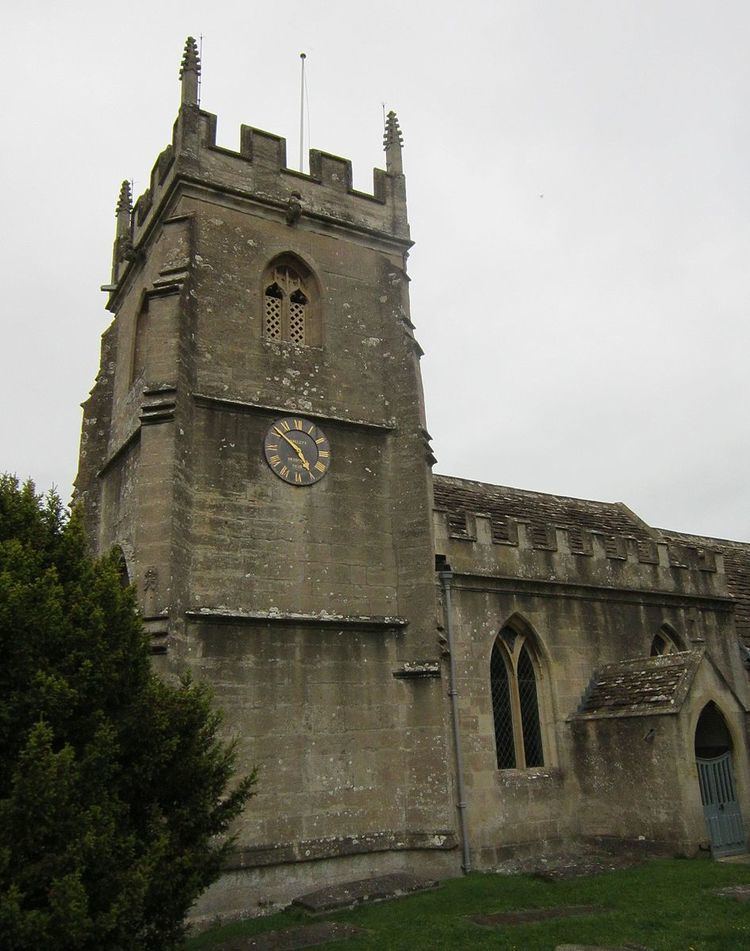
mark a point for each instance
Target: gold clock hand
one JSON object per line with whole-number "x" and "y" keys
{"x": 295, "y": 447}
{"x": 284, "y": 436}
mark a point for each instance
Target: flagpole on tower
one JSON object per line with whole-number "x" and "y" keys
{"x": 303, "y": 57}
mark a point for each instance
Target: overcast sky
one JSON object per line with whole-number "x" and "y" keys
{"x": 577, "y": 176}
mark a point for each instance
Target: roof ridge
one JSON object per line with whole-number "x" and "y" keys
{"x": 660, "y": 660}
{"x": 531, "y": 492}
{"x": 704, "y": 538}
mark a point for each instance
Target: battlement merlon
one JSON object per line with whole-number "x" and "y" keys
{"x": 527, "y": 552}
{"x": 259, "y": 172}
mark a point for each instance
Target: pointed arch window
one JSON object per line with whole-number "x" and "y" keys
{"x": 665, "y": 642}
{"x": 515, "y": 702}
{"x": 290, "y": 312}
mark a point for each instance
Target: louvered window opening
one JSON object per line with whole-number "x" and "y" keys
{"x": 504, "y": 745}
{"x": 273, "y": 312}
{"x": 285, "y": 307}
{"x": 515, "y": 704}
{"x": 297, "y": 305}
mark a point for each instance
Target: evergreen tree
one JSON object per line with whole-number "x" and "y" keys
{"x": 112, "y": 781}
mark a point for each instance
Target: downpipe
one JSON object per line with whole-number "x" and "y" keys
{"x": 446, "y": 576}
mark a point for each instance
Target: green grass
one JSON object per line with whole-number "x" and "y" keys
{"x": 665, "y": 905}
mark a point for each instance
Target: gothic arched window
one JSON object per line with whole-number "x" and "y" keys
{"x": 665, "y": 642}
{"x": 290, "y": 304}
{"x": 515, "y": 702}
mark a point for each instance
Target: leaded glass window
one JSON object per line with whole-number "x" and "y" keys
{"x": 515, "y": 702}
{"x": 506, "y": 751}
{"x": 529, "y": 704}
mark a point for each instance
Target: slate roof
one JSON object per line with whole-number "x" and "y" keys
{"x": 737, "y": 567}
{"x": 641, "y": 687}
{"x": 458, "y": 496}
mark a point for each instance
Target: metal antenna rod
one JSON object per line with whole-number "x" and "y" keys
{"x": 303, "y": 57}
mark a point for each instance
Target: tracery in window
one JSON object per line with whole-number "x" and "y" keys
{"x": 515, "y": 701}
{"x": 665, "y": 642}
{"x": 290, "y": 306}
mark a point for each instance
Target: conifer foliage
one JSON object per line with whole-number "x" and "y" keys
{"x": 112, "y": 781}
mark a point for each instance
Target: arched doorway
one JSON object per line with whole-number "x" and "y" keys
{"x": 713, "y": 755}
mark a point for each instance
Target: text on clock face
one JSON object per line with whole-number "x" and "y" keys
{"x": 297, "y": 450}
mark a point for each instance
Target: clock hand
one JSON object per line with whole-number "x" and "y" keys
{"x": 295, "y": 447}
{"x": 302, "y": 458}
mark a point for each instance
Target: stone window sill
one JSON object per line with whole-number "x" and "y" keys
{"x": 537, "y": 775}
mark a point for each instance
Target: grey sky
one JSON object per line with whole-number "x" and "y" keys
{"x": 577, "y": 177}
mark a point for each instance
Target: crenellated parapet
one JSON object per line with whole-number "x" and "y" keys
{"x": 528, "y": 551}
{"x": 258, "y": 172}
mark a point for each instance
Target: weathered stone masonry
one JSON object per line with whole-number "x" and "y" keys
{"x": 314, "y": 610}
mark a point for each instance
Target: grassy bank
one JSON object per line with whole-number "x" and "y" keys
{"x": 666, "y": 905}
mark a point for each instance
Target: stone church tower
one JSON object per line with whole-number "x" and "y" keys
{"x": 255, "y": 444}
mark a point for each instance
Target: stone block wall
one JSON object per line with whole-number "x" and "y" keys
{"x": 307, "y": 608}
{"x": 580, "y": 611}
{"x": 320, "y": 713}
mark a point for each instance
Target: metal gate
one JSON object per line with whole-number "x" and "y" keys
{"x": 720, "y": 806}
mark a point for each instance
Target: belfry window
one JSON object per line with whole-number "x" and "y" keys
{"x": 297, "y": 305}
{"x": 272, "y": 302}
{"x": 288, "y": 311}
{"x": 515, "y": 702}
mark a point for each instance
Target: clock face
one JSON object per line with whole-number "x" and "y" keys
{"x": 297, "y": 450}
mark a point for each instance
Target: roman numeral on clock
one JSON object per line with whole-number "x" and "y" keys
{"x": 293, "y": 447}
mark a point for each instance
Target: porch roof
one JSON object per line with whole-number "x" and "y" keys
{"x": 640, "y": 687}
